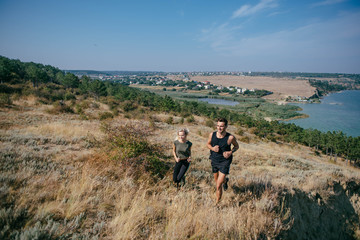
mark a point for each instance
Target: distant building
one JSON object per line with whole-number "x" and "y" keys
{"x": 230, "y": 88}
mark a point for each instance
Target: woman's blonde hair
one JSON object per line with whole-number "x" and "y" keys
{"x": 185, "y": 130}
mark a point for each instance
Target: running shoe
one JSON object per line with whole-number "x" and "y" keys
{"x": 225, "y": 185}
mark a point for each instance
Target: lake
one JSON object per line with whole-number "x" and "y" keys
{"x": 337, "y": 111}
{"x": 218, "y": 101}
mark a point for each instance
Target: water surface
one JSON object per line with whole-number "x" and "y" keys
{"x": 336, "y": 112}
{"x": 218, "y": 101}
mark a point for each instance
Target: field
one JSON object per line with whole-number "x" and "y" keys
{"x": 64, "y": 177}
{"x": 256, "y": 107}
{"x": 281, "y": 87}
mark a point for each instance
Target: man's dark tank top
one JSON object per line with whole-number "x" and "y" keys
{"x": 223, "y": 147}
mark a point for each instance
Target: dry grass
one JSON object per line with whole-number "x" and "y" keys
{"x": 281, "y": 87}
{"x": 57, "y": 180}
{"x": 68, "y": 130}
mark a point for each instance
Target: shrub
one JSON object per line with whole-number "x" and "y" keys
{"x": 60, "y": 107}
{"x": 10, "y": 220}
{"x": 244, "y": 139}
{"x": 209, "y": 123}
{"x": 105, "y": 115}
{"x": 79, "y": 109}
{"x": 5, "y": 99}
{"x": 69, "y": 96}
{"x": 115, "y": 112}
{"x": 128, "y": 106}
{"x": 190, "y": 119}
{"x": 8, "y": 89}
{"x": 128, "y": 145}
{"x": 169, "y": 120}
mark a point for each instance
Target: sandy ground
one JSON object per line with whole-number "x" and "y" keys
{"x": 281, "y": 87}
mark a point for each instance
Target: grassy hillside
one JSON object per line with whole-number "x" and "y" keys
{"x": 92, "y": 169}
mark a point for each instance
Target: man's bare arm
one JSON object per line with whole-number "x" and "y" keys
{"x": 236, "y": 145}
{"x": 215, "y": 148}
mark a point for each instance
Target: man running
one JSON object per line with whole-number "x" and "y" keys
{"x": 221, "y": 155}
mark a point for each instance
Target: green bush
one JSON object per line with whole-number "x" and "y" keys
{"x": 79, "y": 109}
{"x": 5, "y": 99}
{"x": 60, "y": 107}
{"x": 190, "y": 119}
{"x": 210, "y": 123}
{"x": 128, "y": 145}
{"x": 169, "y": 120}
{"x": 128, "y": 106}
{"x": 69, "y": 96}
{"x": 11, "y": 220}
{"x": 244, "y": 139}
{"x": 105, "y": 115}
{"x": 240, "y": 131}
{"x": 9, "y": 89}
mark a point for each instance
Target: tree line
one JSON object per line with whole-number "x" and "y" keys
{"x": 53, "y": 84}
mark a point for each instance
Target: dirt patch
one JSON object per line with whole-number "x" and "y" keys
{"x": 281, "y": 87}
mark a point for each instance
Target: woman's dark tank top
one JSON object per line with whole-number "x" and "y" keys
{"x": 223, "y": 147}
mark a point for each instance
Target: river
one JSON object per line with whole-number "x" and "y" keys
{"x": 336, "y": 112}
{"x": 218, "y": 101}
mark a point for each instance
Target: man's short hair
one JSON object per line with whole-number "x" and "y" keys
{"x": 222, "y": 120}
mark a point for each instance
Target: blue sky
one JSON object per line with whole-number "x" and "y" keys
{"x": 186, "y": 35}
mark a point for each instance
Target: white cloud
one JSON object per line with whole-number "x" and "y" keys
{"x": 247, "y": 10}
{"x": 334, "y": 44}
{"x": 327, "y": 2}
{"x": 220, "y": 35}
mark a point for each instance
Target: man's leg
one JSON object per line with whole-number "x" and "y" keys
{"x": 219, "y": 179}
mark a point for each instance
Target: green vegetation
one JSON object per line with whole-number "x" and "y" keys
{"x": 129, "y": 147}
{"x": 324, "y": 87}
{"x": 250, "y": 105}
{"x": 51, "y": 84}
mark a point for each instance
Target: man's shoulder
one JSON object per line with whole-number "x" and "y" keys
{"x": 231, "y": 136}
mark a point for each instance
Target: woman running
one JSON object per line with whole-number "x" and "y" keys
{"x": 182, "y": 155}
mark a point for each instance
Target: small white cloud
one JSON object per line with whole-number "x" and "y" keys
{"x": 327, "y": 2}
{"x": 247, "y": 10}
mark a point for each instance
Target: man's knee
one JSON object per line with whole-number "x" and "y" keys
{"x": 219, "y": 184}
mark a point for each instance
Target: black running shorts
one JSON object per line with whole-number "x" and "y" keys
{"x": 223, "y": 167}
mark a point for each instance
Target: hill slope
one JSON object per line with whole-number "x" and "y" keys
{"x": 60, "y": 178}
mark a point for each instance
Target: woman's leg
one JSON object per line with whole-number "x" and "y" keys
{"x": 176, "y": 171}
{"x": 184, "y": 167}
